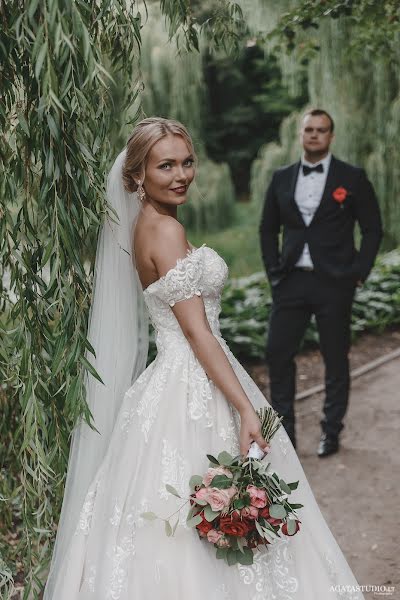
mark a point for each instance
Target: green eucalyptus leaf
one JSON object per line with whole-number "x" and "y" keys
{"x": 175, "y": 526}
{"x": 221, "y": 482}
{"x": 209, "y": 514}
{"x": 224, "y": 458}
{"x": 168, "y": 528}
{"x": 149, "y": 516}
{"x": 200, "y": 501}
{"x": 212, "y": 459}
{"x": 291, "y": 526}
{"x": 277, "y": 511}
{"x": 221, "y": 553}
{"x": 172, "y": 490}
{"x": 193, "y": 521}
{"x": 232, "y": 557}
{"x": 295, "y": 506}
{"x": 246, "y": 557}
{"x": 285, "y": 487}
{"x": 260, "y": 530}
{"x": 195, "y": 480}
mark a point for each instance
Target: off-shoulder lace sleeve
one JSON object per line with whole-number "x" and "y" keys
{"x": 184, "y": 280}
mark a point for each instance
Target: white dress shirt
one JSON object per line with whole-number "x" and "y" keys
{"x": 308, "y": 196}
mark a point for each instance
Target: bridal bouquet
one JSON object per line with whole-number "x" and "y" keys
{"x": 240, "y": 504}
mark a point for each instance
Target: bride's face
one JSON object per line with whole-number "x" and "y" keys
{"x": 169, "y": 171}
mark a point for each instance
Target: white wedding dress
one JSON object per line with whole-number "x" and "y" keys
{"x": 170, "y": 419}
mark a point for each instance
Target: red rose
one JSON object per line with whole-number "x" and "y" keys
{"x": 264, "y": 512}
{"x": 234, "y": 525}
{"x": 285, "y": 530}
{"x": 250, "y": 523}
{"x": 340, "y": 194}
{"x": 204, "y": 527}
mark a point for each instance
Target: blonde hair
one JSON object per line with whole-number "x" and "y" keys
{"x": 147, "y": 133}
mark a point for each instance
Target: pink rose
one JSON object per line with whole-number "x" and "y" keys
{"x": 223, "y": 542}
{"x": 202, "y": 494}
{"x": 213, "y": 536}
{"x": 258, "y": 498}
{"x": 249, "y": 512}
{"x": 219, "y": 499}
{"x": 212, "y": 472}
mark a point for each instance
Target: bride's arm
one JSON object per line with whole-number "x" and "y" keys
{"x": 191, "y": 315}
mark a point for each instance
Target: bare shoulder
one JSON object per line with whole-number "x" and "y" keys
{"x": 166, "y": 227}
{"x": 157, "y": 231}
{"x": 162, "y": 241}
{"x": 168, "y": 236}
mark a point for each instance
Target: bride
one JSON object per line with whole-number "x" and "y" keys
{"x": 155, "y": 426}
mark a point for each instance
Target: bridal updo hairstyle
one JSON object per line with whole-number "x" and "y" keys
{"x": 144, "y": 136}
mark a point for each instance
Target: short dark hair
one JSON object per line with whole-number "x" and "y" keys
{"x": 318, "y": 112}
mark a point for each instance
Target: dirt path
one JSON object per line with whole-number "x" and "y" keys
{"x": 359, "y": 489}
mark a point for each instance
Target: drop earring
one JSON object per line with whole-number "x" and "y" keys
{"x": 140, "y": 191}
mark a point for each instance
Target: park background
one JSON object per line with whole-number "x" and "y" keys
{"x": 74, "y": 78}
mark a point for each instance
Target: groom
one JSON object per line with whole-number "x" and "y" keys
{"x": 315, "y": 268}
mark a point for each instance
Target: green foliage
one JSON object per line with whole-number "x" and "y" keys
{"x": 238, "y": 244}
{"x": 173, "y": 81}
{"x": 271, "y": 157}
{"x": 375, "y": 24}
{"x": 56, "y": 114}
{"x": 246, "y": 306}
{"x": 220, "y": 20}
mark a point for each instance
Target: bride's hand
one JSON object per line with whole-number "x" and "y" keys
{"x": 250, "y": 430}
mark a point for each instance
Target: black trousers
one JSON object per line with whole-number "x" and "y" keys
{"x": 296, "y": 298}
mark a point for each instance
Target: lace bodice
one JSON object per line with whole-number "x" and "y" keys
{"x": 203, "y": 273}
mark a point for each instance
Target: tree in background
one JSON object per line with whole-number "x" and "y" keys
{"x": 375, "y": 24}
{"x": 247, "y": 102}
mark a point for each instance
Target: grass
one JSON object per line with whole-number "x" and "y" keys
{"x": 239, "y": 245}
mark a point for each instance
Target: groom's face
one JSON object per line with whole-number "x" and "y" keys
{"x": 316, "y": 135}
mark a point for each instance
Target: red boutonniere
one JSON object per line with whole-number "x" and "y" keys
{"x": 340, "y": 195}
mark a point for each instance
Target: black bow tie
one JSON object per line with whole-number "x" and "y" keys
{"x": 318, "y": 169}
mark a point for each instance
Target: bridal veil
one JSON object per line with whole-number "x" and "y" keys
{"x": 118, "y": 333}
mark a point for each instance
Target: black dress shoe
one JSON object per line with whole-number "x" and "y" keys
{"x": 328, "y": 444}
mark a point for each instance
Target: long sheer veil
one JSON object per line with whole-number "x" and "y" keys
{"x": 118, "y": 332}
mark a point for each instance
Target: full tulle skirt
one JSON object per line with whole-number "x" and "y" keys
{"x": 170, "y": 419}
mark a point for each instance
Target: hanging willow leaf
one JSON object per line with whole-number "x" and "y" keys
{"x": 66, "y": 94}
{"x": 40, "y": 59}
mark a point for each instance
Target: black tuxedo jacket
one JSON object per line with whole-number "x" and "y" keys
{"x": 330, "y": 235}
